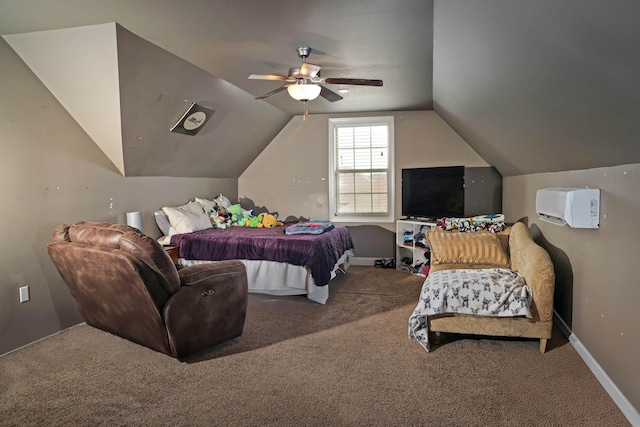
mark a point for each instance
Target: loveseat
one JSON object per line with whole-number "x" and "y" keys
{"x": 125, "y": 283}
{"x": 515, "y": 250}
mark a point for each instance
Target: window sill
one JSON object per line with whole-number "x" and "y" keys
{"x": 362, "y": 218}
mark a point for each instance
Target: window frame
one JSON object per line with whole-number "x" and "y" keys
{"x": 334, "y": 123}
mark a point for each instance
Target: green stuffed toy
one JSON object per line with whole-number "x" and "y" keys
{"x": 255, "y": 221}
{"x": 244, "y": 219}
{"x": 236, "y": 212}
{"x": 239, "y": 216}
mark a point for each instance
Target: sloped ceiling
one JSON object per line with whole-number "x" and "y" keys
{"x": 532, "y": 85}
{"x": 157, "y": 88}
{"x": 79, "y": 66}
{"x": 540, "y": 85}
{"x": 372, "y": 39}
{"x": 127, "y": 93}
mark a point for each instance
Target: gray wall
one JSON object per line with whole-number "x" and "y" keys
{"x": 51, "y": 172}
{"x": 597, "y": 288}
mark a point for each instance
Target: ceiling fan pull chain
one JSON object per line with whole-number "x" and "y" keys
{"x": 306, "y": 113}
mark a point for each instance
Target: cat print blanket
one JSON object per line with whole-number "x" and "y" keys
{"x": 496, "y": 292}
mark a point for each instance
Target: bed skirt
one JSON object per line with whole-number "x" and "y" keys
{"x": 279, "y": 278}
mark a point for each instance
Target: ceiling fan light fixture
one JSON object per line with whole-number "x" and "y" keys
{"x": 302, "y": 91}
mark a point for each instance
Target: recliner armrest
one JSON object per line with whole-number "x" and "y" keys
{"x": 198, "y": 274}
{"x": 209, "y": 308}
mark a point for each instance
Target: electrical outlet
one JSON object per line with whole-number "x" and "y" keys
{"x": 24, "y": 293}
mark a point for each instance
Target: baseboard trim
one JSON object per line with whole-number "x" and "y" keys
{"x": 38, "y": 340}
{"x": 359, "y": 260}
{"x": 625, "y": 406}
{"x": 561, "y": 324}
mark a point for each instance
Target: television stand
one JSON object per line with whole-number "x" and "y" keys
{"x": 414, "y": 251}
{"x": 420, "y": 219}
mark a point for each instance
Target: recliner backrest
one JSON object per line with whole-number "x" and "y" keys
{"x": 119, "y": 279}
{"x": 128, "y": 239}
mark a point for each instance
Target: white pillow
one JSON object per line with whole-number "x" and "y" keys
{"x": 187, "y": 218}
{"x": 163, "y": 222}
{"x": 164, "y": 240}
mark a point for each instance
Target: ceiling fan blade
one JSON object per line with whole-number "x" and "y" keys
{"x": 309, "y": 70}
{"x": 347, "y": 81}
{"x": 268, "y": 77}
{"x": 329, "y": 95}
{"x": 273, "y": 92}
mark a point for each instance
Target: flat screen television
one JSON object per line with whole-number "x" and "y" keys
{"x": 433, "y": 193}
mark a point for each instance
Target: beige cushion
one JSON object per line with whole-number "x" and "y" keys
{"x": 475, "y": 248}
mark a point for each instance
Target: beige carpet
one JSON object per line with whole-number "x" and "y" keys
{"x": 347, "y": 363}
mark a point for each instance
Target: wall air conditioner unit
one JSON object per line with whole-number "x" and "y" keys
{"x": 578, "y": 207}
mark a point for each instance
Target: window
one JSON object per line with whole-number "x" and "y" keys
{"x": 361, "y": 169}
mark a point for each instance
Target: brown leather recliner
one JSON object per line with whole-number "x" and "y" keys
{"x": 125, "y": 283}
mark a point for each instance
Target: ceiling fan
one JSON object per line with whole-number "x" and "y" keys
{"x": 305, "y": 83}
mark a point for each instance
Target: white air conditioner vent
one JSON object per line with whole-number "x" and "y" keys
{"x": 578, "y": 207}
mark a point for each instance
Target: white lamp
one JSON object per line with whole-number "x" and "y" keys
{"x": 134, "y": 219}
{"x": 303, "y": 91}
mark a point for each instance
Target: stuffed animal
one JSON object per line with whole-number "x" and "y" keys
{"x": 235, "y": 211}
{"x": 244, "y": 219}
{"x": 223, "y": 201}
{"x": 209, "y": 206}
{"x": 238, "y": 215}
{"x": 255, "y": 221}
{"x": 217, "y": 221}
{"x": 269, "y": 220}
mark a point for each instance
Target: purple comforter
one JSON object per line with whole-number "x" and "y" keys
{"x": 318, "y": 252}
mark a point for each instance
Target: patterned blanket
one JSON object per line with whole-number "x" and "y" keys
{"x": 310, "y": 227}
{"x": 492, "y": 223}
{"x": 497, "y": 292}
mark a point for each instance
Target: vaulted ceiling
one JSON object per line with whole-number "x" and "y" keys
{"x": 531, "y": 85}
{"x": 540, "y": 85}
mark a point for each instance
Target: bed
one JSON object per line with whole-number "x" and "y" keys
{"x": 277, "y": 263}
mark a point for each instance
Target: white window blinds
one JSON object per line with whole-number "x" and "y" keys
{"x": 362, "y": 168}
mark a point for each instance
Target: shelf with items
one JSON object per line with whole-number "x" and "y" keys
{"x": 412, "y": 248}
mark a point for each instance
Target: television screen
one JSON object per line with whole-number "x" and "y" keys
{"x": 433, "y": 192}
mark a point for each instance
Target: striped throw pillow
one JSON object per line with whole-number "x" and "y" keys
{"x": 480, "y": 248}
